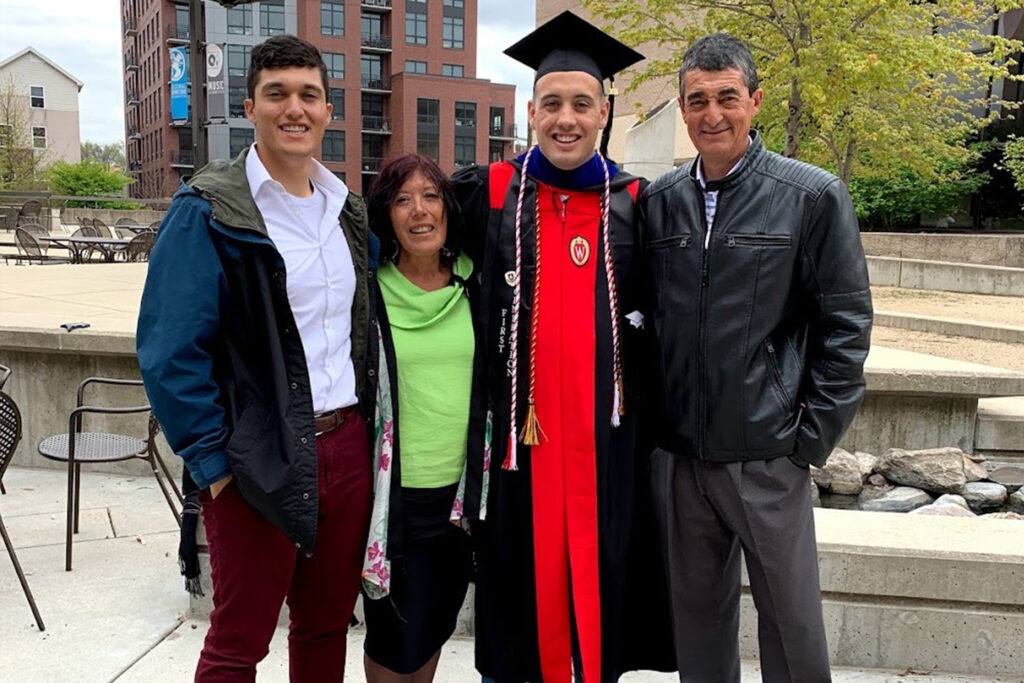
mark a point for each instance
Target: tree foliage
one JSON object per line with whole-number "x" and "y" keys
{"x": 865, "y": 86}
{"x": 1013, "y": 160}
{"x": 20, "y": 164}
{"x": 110, "y": 155}
{"x": 902, "y": 198}
{"x": 88, "y": 179}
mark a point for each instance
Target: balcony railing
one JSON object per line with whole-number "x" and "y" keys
{"x": 131, "y": 64}
{"x": 133, "y": 133}
{"x": 177, "y": 33}
{"x": 129, "y": 26}
{"x": 182, "y": 157}
{"x": 375, "y": 41}
{"x": 134, "y": 167}
{"x": 376, "y": 5}
{"x": 376, "y": 124}
{"x": 131, "y": 98}
{"x": 372, "y": 164}
{"x": 507, "y": 131}
{"x": 376, "y": 83}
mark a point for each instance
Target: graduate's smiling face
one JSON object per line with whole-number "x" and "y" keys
{"x": 567, "y": 113}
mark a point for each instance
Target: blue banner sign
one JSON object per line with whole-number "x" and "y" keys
{"x": 179, "y": 83}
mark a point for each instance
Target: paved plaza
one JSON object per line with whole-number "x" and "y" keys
{"x": 121, "y": 614}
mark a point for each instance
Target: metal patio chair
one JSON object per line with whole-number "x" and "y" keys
{"x": 140, "y": 246}
{"x": 10, "y": 436}
{"x": 29, "y": 212}
{"x": 78, "y": 447}
{"x": 29, "y": 249}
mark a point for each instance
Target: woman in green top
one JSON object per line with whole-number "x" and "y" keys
{"x": 417, "y": 563}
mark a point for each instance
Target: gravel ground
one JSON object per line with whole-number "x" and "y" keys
{"x": 977, "y": 308}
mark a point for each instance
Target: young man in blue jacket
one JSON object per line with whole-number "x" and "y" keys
{"x": 762, "y": 313}
{"x": 251, "y": 339}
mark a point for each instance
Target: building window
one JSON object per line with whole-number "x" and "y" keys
{"x": 38, "y": 101}
{"x": 236, "y": 101}
{"x": 455, "y": 70}
{"x": 416, "y": 28}
{"x": 336, "y": 98}
{"x": 453, "y": 3}
{"x": 271, "y": 18}
{"x": 465, "y": 114}
{"x": 332, "y": 18}
{"x": 429, "y": 145}
{"x": 453, "y": 33}
{"x": 39, "y": 137}
{"x": 335, "y": 62}
{"x": 465, "y": 151}
{"x": 428, "y": 112}
{"x": 239, "y": 139}
{"x": 371, "y": 68}
{"x": 240, "y": 21}
{"x": 333, "y": 147}
{"x": 415, "y": 66}
{"x": 181, "y": 22}
{"x": 238, "y": 60}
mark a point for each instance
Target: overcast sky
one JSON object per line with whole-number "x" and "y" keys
{"x": 83, "y": 37}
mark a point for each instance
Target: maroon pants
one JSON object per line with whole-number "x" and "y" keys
{"x": 255, "y": 567}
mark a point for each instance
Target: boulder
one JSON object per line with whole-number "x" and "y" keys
{"x": 983, "y": 496}
{"x": 974, "y": 471}
{"x": 899, "y": 499}
{"x": 840, "y": 474}
{"x": 1015, "y": 502}
{"x": 939, "y": 470}
{"x": 878, "y": 481}
{"x": 938, "y": 509}
{"x": 1011, "y": 477}
{"x": 1002, "y": 515}
{"x": 867, "y": 463}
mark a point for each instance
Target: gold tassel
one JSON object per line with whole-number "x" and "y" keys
{"x": 532, "y": 434}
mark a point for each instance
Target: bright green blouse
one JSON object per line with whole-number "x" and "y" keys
{"x": 434, "y": 344}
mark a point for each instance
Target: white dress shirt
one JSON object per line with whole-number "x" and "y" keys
{"x": 321, "y": 280}
{"x": 711, "y": 198}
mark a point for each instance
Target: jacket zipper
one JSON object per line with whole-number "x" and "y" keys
{"x": 702, "y": 377}
{"x": 773, "y": 367}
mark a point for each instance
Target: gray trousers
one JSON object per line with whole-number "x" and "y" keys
{"x": 705, "y": 513}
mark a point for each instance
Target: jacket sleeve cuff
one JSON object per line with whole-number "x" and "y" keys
{"x": 209, "y": 470}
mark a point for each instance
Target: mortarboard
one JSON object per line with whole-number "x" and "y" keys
{"x": 569, "y": 43}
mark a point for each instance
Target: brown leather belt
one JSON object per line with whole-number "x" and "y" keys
{"x": 326, "y": 422}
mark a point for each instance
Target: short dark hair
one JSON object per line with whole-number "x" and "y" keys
{"x": 393, "y": 174}
{"x": 280, "y": 52}
{"x": 718, "y": 52}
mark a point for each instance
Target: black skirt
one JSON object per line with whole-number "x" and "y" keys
{"x": 428, "y": 585}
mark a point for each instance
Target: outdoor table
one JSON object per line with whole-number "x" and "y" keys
{"x": 77, "y": 245}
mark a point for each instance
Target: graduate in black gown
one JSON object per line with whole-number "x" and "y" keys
{"x": 556, "y": 486}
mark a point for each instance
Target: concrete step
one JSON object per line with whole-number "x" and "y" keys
{"x": 945, "y": 276}
{"x": 1000, "y": 425}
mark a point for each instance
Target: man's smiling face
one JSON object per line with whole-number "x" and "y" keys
{"x": 567, "y": 113}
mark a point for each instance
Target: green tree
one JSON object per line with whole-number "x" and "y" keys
{"x": 88, "y": 179}
{"x": 1013, "y": 160}
{"x": 109, "y": 155}
{"x": 21, "y": 164}
{"x": 865, "y": 86}
{"x": 900, "y": 199}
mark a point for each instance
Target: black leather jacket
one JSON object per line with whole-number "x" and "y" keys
{"x": 764, "y": 333}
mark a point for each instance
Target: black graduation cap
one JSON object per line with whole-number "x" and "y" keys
{"x": 569, "y": 43}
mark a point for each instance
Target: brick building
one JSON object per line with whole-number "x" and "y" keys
{"x": 402, "y": 76}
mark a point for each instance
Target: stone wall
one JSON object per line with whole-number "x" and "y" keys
{"x": 989, "y": 250}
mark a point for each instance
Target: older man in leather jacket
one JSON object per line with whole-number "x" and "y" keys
{"x": 762, "y": 312}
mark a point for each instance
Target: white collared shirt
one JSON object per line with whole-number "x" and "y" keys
{"x": 711, "y": 197}
{"x": 321, "y": 279}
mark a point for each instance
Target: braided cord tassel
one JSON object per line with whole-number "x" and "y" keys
{"x": 510, "y": 462}
{"x": 618, "y": 407}
{"x": 532, "y": 434}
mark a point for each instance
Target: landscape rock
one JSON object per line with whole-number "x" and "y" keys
{"x": 983, "y": 496}
{"x": 1015, "y": 502}
{"x": 841, "y": 474}
{"x": 899, "y": 499}
{"x": 879, "y": 481}
{"x": 815, "y": 495}
{"x": 939, "y": 470}
{"x": 938, "y": 509}
{"x": 974, "y": 471}
{"x": 1011, "y": 477}
{"x": 1003, "y": 515}
{"x": 867, "y": 463}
